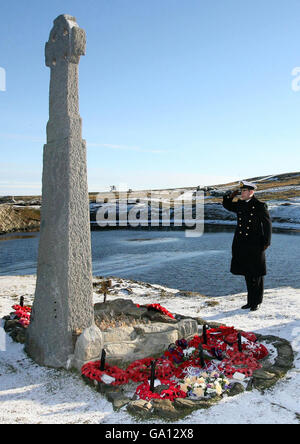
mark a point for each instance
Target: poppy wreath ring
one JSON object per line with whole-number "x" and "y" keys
{"x": 140, "y": 370}
{"x": 173, "y": 391}
{"x": 92, "y": 371}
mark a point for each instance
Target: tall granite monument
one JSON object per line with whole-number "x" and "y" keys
{"x": 63, "y": 297}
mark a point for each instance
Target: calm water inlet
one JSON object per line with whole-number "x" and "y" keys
{"x": 166, "y": 258}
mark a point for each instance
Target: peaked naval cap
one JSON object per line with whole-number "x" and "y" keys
{"x": 249, "y": 185}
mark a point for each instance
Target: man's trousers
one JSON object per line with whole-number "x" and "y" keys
{"x": 255, "y": 288}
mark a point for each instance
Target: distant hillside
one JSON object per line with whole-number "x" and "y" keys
{"x": 22, "y": 213}
{"x": 14, "y": 218}
{"x": 277, "y": 187}
{"x": 281, "y": 186}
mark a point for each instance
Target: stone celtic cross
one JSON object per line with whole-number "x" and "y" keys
{"x": 63, "y": 297}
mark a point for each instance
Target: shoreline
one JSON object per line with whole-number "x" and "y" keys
{"x": 208, "y": 227}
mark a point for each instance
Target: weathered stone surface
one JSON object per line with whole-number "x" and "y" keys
{"x": 139, "y": 407}
{"x": 88, "y": 346}
{"x": 141, "y": 342}
{"x": 118, "y": 399}
{"x": 63, "y": 297}
{"x": 285, "y": 357}
{"x": 236, "y": 389}
{"x": 119, "y": 335}
{"x": 127, "y": 344}
{"x": 262, "y": 374}
{"x": 187, "y": 328}
{"x": 164, "y": 408}
{"x": 284, "y": 360}
{"x": 120, "y": 306}
{"x": 106, "y": 389}
{"x": 263, "y": 380}
{"x": 184, "y": 404}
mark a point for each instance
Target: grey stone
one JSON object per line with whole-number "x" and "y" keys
{"x": 119, "y": 335}
{"x": 206, "y": 403}
{"x": 117, "y": 399}
{"x": 285, "y": 356}
{"x": 236, "y": 389}
{"x": 184, "y": 404}
{"x": 187, "y": 328}
{"x": 155, "y": 316}
{"x": 119, "y": 306}
{"x": 126, "y": 344}
{"x": 63, "y": 296}
{"x": 139, "y": 407}
{"x": 164, "y": 408}
{"x": 107, "y": 389}
{"x": 88, "y": 346}
{"x": 263, "y": 379}
{"x": 262, "y": 374}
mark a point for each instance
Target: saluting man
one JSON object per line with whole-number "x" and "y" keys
{"x": 252, "y": 237}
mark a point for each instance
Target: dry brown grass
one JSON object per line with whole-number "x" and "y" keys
{"x": 28, "y": 213}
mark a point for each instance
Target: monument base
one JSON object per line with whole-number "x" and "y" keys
{"x": 132, "y": 333}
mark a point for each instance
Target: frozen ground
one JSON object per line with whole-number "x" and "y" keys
{"x": 33, "y": 394}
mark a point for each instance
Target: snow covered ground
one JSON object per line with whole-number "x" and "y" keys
{"x": 33, "y": 394}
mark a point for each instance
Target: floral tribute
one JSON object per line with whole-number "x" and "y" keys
{"x": 170, "y": 390}
{"x": 199, "y": 368}
{"x": 140, "y": 370}
{"x": 221, "y": 345}
{"x": 22, "y": 313}
{"x": 198, "y": 384}
{"x": 159, "y": 308}
{"x": 92, "y": 371}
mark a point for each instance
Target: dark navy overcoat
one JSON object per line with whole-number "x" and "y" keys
{"x": 252, "y": 235}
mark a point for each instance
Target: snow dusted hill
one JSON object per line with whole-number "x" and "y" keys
{"x": 281, "y": 193}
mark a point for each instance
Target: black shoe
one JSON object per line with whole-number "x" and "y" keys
{"x": 254, "y": 308}
{"x": 244, "y": 307}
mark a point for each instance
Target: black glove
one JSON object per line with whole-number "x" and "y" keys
{"x": 234, "y": 193}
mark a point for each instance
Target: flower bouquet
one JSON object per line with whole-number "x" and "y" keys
{"x": 204, "y": 384}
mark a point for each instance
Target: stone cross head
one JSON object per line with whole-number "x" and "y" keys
{"x": 66, "y": 42}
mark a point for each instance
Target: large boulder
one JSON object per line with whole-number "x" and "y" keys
{"x": 88, "y": 346}
{"x": 127, "y": 344}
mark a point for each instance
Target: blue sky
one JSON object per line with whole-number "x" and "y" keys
{"x": 172, "y": 93}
